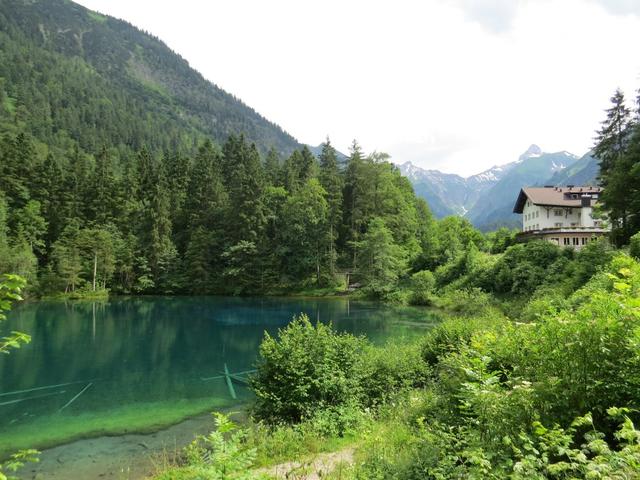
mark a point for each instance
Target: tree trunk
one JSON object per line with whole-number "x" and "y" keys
{"x": 95, "y": 269}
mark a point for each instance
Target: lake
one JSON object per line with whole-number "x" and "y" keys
{"x": 137, "y": 364}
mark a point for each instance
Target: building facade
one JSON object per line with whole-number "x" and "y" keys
{"x": 561, "y": 215}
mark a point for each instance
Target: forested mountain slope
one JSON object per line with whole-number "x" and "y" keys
{"x": 68, "y": 74}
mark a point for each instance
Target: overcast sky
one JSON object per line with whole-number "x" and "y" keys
{"x": 458, "y": 85}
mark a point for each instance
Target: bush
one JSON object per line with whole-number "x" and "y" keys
{"x": 316, "y": 375}
{"x": 305, "y": 369}
{"x": 423, "y": 285}
{"x": 468, "y": 302}
{"x": 390, "y": 370}
{"x": 397, "y": 297}
{"x": 448, "y": 337}
{"x": 634, "y": 246}
{"x": 223, "y": 453}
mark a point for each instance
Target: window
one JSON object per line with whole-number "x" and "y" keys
{"x": 576, "y": 241}
{"x": 558, "y": 225}
{"x": 566, "y": 241}
{"x": 555, "y": 240}
{"x": 585, "y": 240}
{"x": 557, "y": 212}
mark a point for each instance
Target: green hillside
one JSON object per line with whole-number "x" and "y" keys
{"x": 71, "y": 75}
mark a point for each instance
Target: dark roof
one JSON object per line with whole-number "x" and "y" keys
{"x": 553, "y": 196}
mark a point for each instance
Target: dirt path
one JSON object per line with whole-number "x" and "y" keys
{"x": 126, "y": 457}
{"x": 314, "y": 468}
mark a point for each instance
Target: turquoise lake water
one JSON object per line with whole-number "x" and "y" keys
{"x": 90, "y": 362}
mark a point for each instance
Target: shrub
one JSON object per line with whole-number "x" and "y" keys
{"x": 634, "y": 246}
{"x": 305, "y": 369}
{"x": 390, "y": 370}
{"x": 423, "y": 285}
{"x": 397, "y": 297}
{"x": 316, "y": 375}
{"x": 221, "y": 454}
{"x": 448, "y": 337}
{"x": 468, "y": 302}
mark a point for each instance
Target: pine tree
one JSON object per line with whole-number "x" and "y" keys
{"x": 611, "y": 149}
{"x": 354, "y": 209}
{"x": 332, "y": 181}
{"x": 612, "y": 136}
{"x": 272, "y": 168}
{"x": 104, "y": 202}
{"x": 245, "y": 183}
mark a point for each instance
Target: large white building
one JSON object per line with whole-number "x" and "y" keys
{"x": 561, "y": 215}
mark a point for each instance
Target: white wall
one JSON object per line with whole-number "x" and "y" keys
{"x": 535, "y": 217}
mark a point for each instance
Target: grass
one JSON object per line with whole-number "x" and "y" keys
{"x": 101, "y": 294}
{"x": 57, "y": 429}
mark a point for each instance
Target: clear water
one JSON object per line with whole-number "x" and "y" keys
{"x": 146, "y": 361}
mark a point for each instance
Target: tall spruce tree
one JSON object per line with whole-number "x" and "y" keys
{"x": 611, "y": 148}
{"x": 332, "y": 181}
{"x": 612, "y": 136}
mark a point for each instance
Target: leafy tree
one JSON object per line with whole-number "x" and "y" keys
{"x": 303, "y": 233}
{"x": 382, "y": 261}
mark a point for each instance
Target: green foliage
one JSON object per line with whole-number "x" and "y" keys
{"x": 218, "y": 221}
{"x": 305, "y": 369}
{"x": 16, "y": 461}
{"x": 422, "y": 287}
{"x": 222, "y": 454}
{"x": 634, "y": 246}
{"x": 314, "y": 374}
{"x": 10, "y": 288}
{"x": 381, "y": 260}
{"x": 552, "y": 399}
{"x": 618, "y": 150}
{"x": 468, "y": 302}
{"x": 391, "y": 369}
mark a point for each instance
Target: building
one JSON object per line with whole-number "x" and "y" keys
{"x": 561, "y": 215}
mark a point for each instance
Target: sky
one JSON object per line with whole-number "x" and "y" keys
{"x": 454, "y": 85}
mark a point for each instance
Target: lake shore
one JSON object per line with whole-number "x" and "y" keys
{"x": 130, "y": 456}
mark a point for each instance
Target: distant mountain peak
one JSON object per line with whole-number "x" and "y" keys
{"x": 486, "y": 198}
{"x": 531, "y": 152}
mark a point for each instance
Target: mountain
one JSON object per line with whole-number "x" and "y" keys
{"x": 584, "y": 172}
{"x": 486, "y": 198}
{"x": 68, "y": 74}
{"x": 494, "y": 207}
{"x": 450, "y": 194}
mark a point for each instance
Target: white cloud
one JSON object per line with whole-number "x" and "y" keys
{"x": 456, "y": 85}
